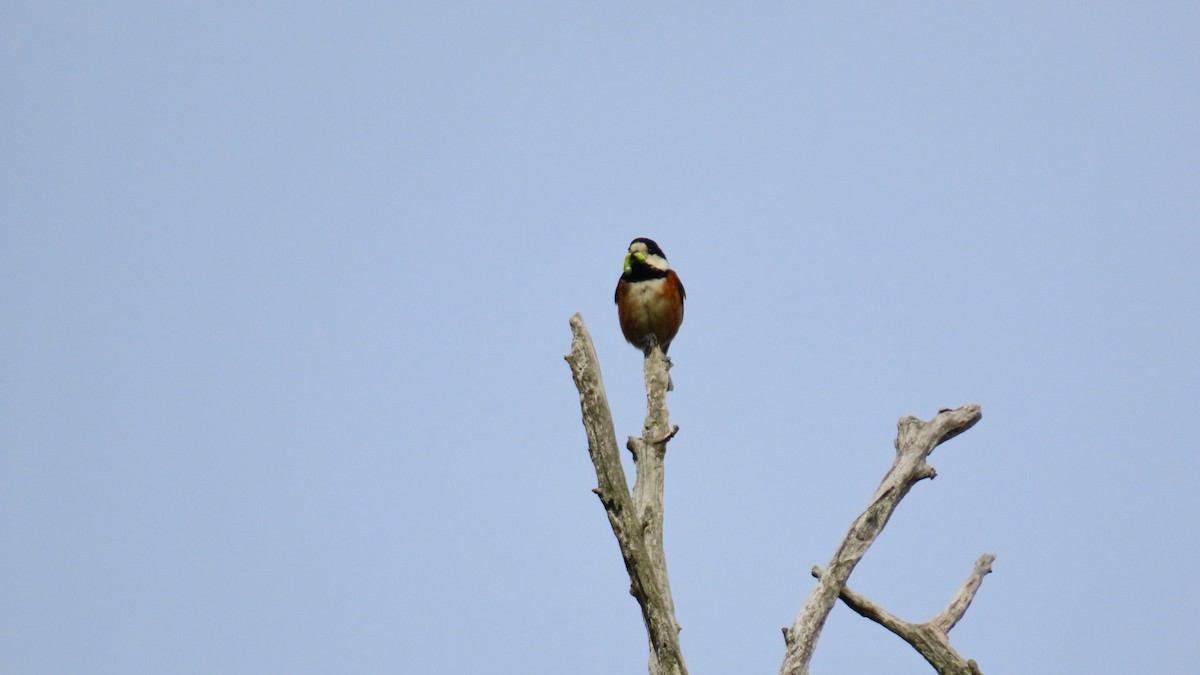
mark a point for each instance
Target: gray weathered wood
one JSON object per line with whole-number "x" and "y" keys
{"x": 915, "y": 440}
{"x": 932, "y": 638}
{"x": 636, "y": 518}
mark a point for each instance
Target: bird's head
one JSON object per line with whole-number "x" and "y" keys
{"x": 645, "y": 253}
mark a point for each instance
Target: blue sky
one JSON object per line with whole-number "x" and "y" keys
{"x": 285, "y": 291}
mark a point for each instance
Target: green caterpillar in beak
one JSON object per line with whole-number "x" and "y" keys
{"x": 641, "y": 257}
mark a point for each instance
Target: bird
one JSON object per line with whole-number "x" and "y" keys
{"x": 649, "y": 298}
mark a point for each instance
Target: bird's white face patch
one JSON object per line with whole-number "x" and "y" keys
{"x": 656, "y": 261}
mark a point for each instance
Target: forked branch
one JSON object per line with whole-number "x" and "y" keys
{"x": 636, "y": 517}
{"x": 915, "y": 440}
{"x": 932, "y": 638}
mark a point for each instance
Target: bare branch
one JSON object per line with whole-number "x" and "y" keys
{"x": 931, "y": 639}
{"x": 915, "y": 440}
{"x": 949, "y": 617}
{"x": 649, "y": 452}
{"x": 865, "y": 607}
{"x": 613, "y": 489}
{"x": 636, "y": 517}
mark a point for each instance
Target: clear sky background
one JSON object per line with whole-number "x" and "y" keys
{"x": 285, "y": 291}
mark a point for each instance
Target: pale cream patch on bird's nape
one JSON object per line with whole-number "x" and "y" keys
{"x": 638, "y": 247}
{"x": 657, "y": 262}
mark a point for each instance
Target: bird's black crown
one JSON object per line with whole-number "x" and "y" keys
{"x": 651, "y": 247}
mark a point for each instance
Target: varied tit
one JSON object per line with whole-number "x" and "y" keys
{"x": 649, "y": 298}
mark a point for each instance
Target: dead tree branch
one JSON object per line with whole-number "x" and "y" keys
{"x": 915, "y": 440}
{"x": 636, "y": 518}
{"x": 932, "y": 638}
